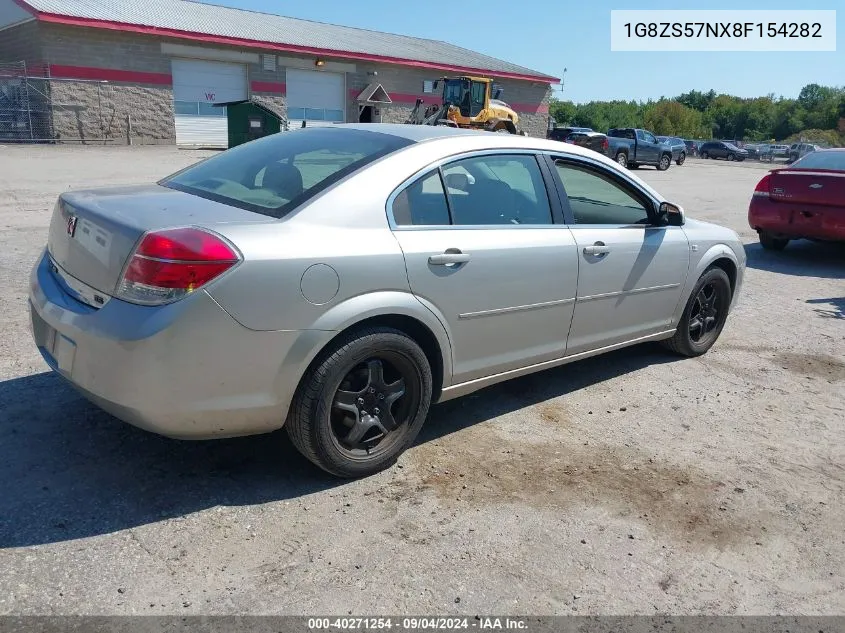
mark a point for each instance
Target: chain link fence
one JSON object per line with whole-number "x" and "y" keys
{"x": 38, "y": 108}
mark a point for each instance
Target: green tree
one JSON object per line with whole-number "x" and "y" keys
{"x": 702, "y": 114}
{"x": 697, "y": 100}
{"x": 563, "y": 112}
{"x": 671, "y": 118}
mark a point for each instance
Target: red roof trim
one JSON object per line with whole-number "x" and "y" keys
{"x": 268, "y": 86}
{"x": 109, "y": 74}
{"x": 290, "y": 48}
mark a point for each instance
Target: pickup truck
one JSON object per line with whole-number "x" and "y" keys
{"x": 632, "y": 147}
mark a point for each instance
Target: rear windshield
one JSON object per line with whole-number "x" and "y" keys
{"x": 822, "y": 160}
{"x": 277, "y": 173}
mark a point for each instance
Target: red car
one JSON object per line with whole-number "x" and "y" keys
{"x": 804, "y": 200}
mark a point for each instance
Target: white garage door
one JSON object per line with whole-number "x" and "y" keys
{"x": 315, "y": 97}
{"x": 197, "y": 86}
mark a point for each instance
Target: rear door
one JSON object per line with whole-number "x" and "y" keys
{"x": 482, "y": 245}
{"x": 631, "y": 272}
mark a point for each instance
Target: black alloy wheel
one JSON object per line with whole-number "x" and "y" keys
{"x": 704, "y": 315}
{"x": 362, "y": 402}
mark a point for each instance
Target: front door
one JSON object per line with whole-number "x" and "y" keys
{"x": 631, "y": 272}
{"x": 648, "y": 149}
{"x": 481, "y": 246}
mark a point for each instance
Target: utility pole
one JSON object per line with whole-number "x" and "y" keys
{"x": 552, "y": 121}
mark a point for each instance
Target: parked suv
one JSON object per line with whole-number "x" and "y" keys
{"x": 679, "y": 148}
{"x": 721, "y": 149}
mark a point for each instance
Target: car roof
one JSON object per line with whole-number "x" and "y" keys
{"x": 416, "y": 133}
{"x": 478, "y": 138}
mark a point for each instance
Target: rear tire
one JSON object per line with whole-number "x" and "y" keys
{"x": 681, "y": 158}
{"x": 771, "y": 243}
{"x": 705, "y": 155}
{"x": 335, "y": 420}
{"x": 622, "y": 159}
{"x": 731, "y": 157}
{"x": 704, "y": 315}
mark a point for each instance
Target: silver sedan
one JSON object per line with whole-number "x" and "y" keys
{"x": 337, "y": 281}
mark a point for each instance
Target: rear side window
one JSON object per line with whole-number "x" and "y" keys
{"x": 484, "y": 190}
{"x": 277, "y": 173}
{"x": 624, "y": 133}
{"x": 423, "y": 203}
{"x": 499, "y": 189}
{"x": 822, "y": 160}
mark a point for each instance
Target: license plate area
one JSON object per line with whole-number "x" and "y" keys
{"x": 60, "y": 348}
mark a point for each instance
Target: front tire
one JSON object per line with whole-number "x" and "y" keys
{"x": 362, "y": 403}
{"x": 771, "y": 243}
{"x": 704, "y": 315}
{"x": 731, "y": 157}
{"x": 665, "y": 162}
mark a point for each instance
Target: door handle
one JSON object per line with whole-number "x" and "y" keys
{"x": 451, "y": 256}
{"x": 598, "y": 249}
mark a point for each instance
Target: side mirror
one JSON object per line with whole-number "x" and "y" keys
{"x": 436, "y": 83}
{"x": 497, "y": 93}
{"x": 670, "y": 214}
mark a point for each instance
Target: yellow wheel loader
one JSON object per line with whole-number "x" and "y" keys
{"x": 467, "y": 102}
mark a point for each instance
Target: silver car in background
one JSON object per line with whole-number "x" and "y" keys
{"x": 339, "y": 280}
{"x": 679, "y": 148}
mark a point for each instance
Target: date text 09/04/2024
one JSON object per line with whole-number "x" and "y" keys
{"x": 417, "y": 623}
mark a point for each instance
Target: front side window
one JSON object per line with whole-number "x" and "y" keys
{"x": 595, "y": 198}
{"x": 274, "y": 174}
{"x": 497, "y": 189}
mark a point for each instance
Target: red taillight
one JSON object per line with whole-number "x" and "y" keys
{"x": 186, "y": 245}
{"x": 762, "y": 188}
{"x": 169, "y": 264}
{"x": 605, "y": 143}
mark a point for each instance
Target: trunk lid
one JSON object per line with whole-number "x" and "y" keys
{"x": 810, "y": 186}
{"x": 93, "y": 233}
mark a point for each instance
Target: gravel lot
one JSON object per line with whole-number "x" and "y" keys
{"x": 633, "y": 483}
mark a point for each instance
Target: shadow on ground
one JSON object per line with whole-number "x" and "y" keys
{"x": 800, "y": 257}
{"x": 832, "y": 308}
{"x": 72, "y": 471}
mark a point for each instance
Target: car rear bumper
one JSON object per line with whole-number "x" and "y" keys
{"x": 785, "y": 219}
{"x": 185, "y": 370}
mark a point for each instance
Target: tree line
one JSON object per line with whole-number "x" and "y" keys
{"x": 814, "y": 116}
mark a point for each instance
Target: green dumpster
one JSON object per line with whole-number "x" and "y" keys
{"x": 249, "y": 120}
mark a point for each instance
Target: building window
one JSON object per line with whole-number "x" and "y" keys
{"x": 315, "y": 114}
{"x": 269, "y": 62}
{"x": 428, "y": 86}
{"x": 198, "y": 108}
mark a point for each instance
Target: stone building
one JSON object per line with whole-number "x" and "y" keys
{"x": 153, "y": 71}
